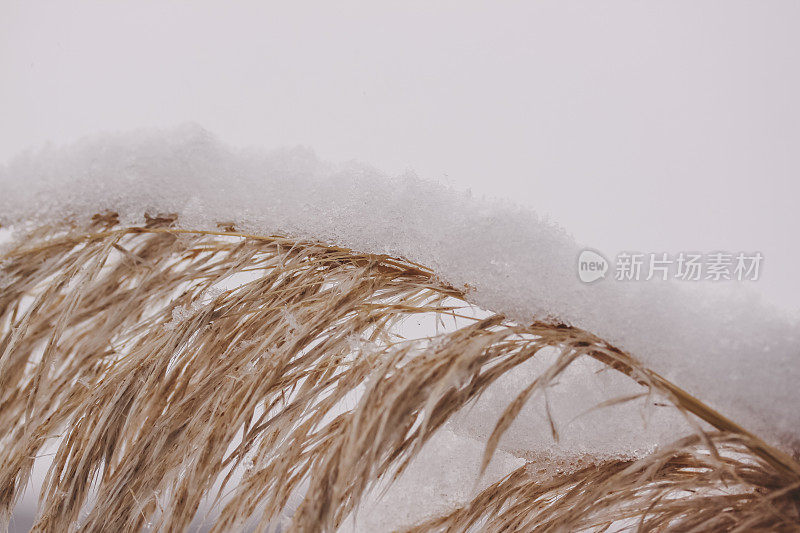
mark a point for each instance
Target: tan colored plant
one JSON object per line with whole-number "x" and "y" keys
{"x": 170, "y": 365}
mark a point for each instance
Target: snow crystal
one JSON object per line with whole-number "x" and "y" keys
{"x": 180, "y": 314}
{"x": 718, "y": 342}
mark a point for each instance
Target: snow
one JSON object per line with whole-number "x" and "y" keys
{"x": 627, "y": 429}
{"x": 720, "y": 342}
{"x": 432, "y": 485}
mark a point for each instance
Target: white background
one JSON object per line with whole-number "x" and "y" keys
{"x": 650, "y": 126}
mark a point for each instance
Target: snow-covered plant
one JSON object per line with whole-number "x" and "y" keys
{"x": 184, "y": 366}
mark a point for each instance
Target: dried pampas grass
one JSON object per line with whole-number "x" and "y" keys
{"x": 167, "y": 366}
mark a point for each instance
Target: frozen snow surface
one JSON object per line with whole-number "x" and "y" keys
{"x": 720, "y": 343}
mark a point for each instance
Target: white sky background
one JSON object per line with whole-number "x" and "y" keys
{"x": 650, "y": 126}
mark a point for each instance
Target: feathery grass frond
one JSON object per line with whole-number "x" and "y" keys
{"x": 171, "y": 365}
